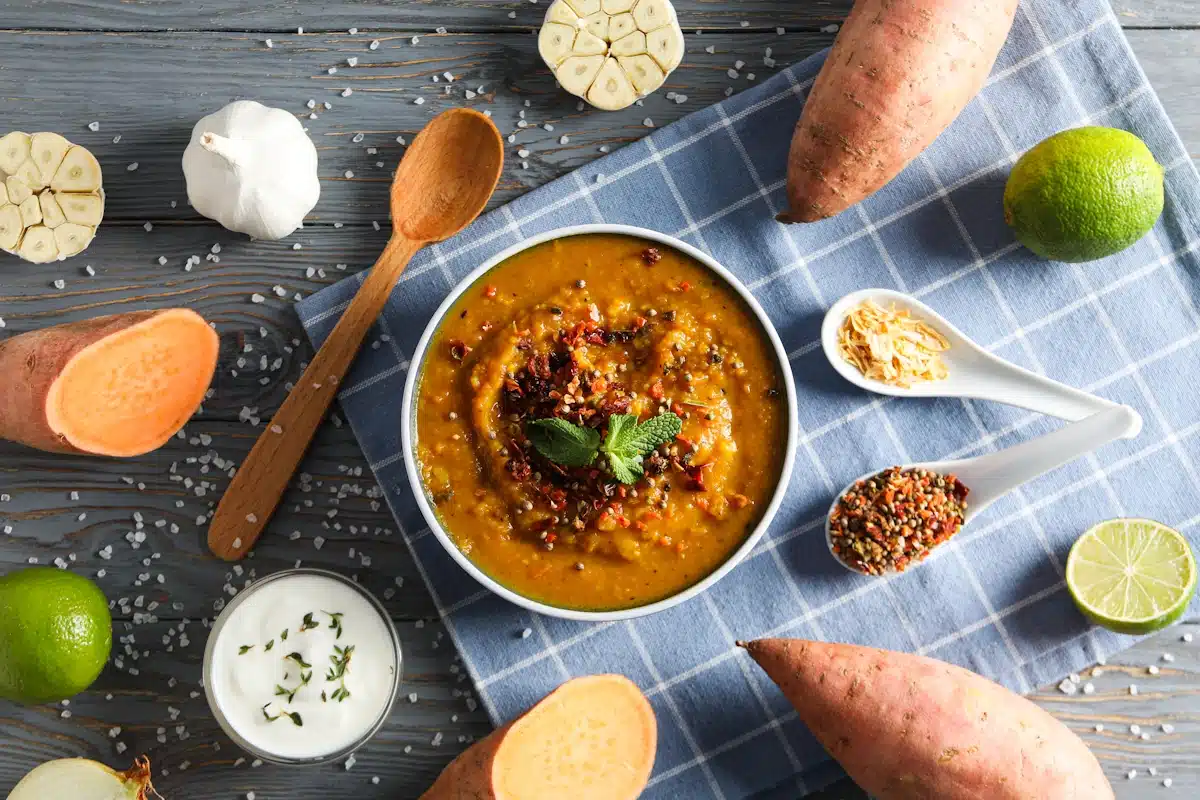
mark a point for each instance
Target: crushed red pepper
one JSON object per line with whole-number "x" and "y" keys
{"x": 887, "y": 522}
{"x": 551, "y": 384}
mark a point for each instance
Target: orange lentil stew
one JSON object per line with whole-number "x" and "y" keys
{"x": 586, "y": 329}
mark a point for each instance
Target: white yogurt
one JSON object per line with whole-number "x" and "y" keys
{"x": 274, "y": 666}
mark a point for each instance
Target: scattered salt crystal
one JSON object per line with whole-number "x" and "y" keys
{"x": 269, "y": 44}
{"x": 93, "y": 126}
{"x": 1187, "y": 637}
{"x": 350, "y": 761}
{"x": 1153, "y": 670}
{"x": 1166, "y": 782}
{"x": 412, "y": 697}
{"x": 1099, "y": 728}
{"x": 349, "y": 173}
{"x": 1133, "y": 690}
{"x": 132, "y": 167}
{"x": 527, "y": 632}
{"x": 374, "y": 45}
{"x": 1131, "y": 774}
{"x": 1167, "y": 727}
{"x": 1067, "y": 687}
{"x": 352, "y": 61}
{"x": 1168, "y": 658}
{"x": 420, "y": 101}
{"x": 1089, "y": 688}
{"x": 1145, "y": 736}
{"x": 60, "y": 284}
{"x": 257, "y": 298}
{"x": 1135, "y": 729}
{"x": 647, "y": 122}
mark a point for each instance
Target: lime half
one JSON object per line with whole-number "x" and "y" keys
{"x": 1132, "y": 575}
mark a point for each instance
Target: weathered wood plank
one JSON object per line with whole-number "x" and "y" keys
{"x": 1157, "y": 13}
{"x": 427, "y": 15}
{"x": 46, "y": 524}
{"x": 420, "y": 16}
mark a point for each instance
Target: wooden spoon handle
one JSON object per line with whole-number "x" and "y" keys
{"x": 258, "y": 486}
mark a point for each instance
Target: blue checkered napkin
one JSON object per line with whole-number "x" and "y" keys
{"x": 993, "y": 600}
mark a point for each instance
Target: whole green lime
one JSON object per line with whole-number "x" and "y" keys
{"x": 55, "y": 634}
{"x": 1084, "y": 194}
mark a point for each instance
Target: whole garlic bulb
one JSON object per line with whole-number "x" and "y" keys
{"x": 253, "y": 169}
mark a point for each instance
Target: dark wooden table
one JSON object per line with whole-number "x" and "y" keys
{"x": 146, "y": 70}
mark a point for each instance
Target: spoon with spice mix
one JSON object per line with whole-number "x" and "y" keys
{"x": 891, "y": 343}
{"x": 886, "y": 522}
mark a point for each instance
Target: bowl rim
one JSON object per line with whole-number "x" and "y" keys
{"x": 408, "y": 434}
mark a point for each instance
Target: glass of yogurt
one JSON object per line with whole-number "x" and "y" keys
{"x": 303, "y": 667}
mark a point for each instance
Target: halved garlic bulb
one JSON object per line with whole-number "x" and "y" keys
{"x": 611, "y": 52}
{"x": 51, "y": 200}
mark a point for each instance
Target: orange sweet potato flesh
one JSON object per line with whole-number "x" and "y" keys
{"x": 899, "y": 73}
{"x": 592, "y": 738}
{"x": 907, "y": 727}
{"x": 120, "y": 385}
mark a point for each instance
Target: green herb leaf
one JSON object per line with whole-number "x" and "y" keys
{"x": 283, "y": 636}
{"x": 563, "y": 442}
{"x": 246, "y": 648}
{"x": 629, "y": 441}
{"x": 299, "y": 659}
{"x": 269, "y": 645}
{"x": 308, "y": 623}
{"x": 295, "y": 718}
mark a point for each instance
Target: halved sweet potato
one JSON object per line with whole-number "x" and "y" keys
{"x": 592, "y": 738}
{"x": 120, "y": 385}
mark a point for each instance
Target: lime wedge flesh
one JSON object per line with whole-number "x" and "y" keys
{"x": 1132, "y": 576}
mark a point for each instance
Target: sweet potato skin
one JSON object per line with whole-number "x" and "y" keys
{"x": 30, "y": 363}
{"x": 899, "y": 73}
{"x": 907, "y": 727}
{"x": 473, "y": 775}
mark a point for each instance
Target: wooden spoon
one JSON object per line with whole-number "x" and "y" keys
{"x": 441, "y": 186}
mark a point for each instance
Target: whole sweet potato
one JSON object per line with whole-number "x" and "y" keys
{"x": 899, "y": 73}
{"x": 907, "y": 727}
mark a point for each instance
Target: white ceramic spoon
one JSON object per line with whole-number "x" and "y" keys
{"x": 989, "y": 477}
{"x": 973, "y": 372}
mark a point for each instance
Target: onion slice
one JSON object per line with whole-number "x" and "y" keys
{"x": 84, "y": 779}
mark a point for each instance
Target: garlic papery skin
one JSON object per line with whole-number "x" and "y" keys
{"x": 83, "y": 779}
{"x": 253, "y": 169}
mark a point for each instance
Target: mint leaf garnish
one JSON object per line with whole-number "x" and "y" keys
{"x": 628, "y": 442}
{"x": 563, "y": 442}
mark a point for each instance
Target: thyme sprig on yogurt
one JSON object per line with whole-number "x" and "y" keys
{"x": 341, "y": 663}
{"x": 294, "y": 716}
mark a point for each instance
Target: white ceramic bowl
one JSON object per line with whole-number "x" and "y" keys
{"x": 409, "y": 433}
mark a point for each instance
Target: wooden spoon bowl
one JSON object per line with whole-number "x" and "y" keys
{"x": 441, "y": 186}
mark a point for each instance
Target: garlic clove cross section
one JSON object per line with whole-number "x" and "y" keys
{"x": 51, "y": 196}
{"x": 638, "y": 44}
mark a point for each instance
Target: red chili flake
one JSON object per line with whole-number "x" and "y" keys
{"x": 651, "y": 256}
{"x": 489, "y": 291}
{"x": 685, "y": 286}
{"x": 656, "y": 390}
{"x": 458, "y": 349}
{"x": 695, "y": 477}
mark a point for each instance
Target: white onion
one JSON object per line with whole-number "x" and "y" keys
{"x": 83, "y": 779}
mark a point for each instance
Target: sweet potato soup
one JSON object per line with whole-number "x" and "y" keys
{"x": 601, "y": 422}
